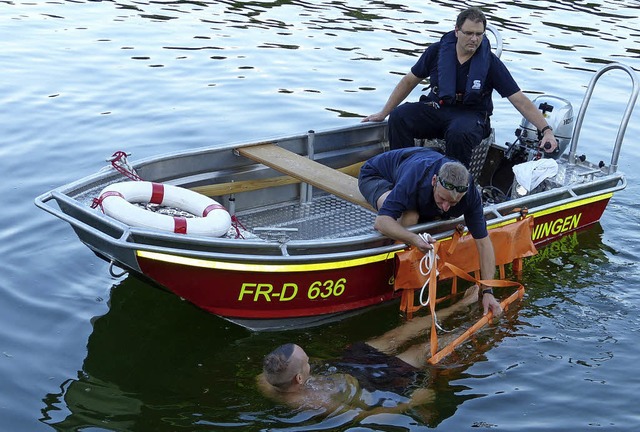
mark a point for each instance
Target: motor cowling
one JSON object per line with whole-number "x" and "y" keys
{"x": 559, "y": 115}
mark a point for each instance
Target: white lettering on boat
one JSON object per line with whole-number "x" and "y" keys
{"x": 556, "y": 227}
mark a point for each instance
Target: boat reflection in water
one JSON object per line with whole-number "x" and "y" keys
{"x": 145, "y": 358}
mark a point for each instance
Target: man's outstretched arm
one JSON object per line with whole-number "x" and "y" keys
{"x": 487, "y": 271}
{"x": 399, "y": 93}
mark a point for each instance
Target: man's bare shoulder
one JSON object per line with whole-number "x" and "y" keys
{"x": 326, "y": 392}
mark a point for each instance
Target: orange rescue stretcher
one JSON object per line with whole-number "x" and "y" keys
{"x": 456, "y": 257}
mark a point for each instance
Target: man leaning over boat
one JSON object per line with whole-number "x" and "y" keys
{"x": 416, "y": 185}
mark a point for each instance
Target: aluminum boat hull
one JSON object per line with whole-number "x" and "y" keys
{"x": 313, "y": 256}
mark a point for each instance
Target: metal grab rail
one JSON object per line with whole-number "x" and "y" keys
{"x": 613, "y": 166}
{"x": 496, "y": 34}
{"x": 125, "y": 241}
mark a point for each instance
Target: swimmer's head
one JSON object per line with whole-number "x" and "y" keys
{"x": 286, "y": 368}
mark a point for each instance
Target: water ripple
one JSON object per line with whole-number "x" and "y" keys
{"x": 82, "y": 79}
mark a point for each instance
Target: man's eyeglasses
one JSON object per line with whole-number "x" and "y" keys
{"x": 451, "y": 186}
{"x": 470, "y": 33}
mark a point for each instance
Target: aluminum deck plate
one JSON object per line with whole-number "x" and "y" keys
{"x": 325, "y": 217}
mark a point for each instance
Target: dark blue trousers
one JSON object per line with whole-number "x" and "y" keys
{"x": 462, "y": 129}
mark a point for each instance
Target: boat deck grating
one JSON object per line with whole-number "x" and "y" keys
{"x": 326, "y": 217}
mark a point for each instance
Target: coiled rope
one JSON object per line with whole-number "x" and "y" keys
{"x": 429, "y": 263}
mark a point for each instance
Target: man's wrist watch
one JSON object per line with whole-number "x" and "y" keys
{"x": 487, "y": 291}
{"x": 546, "y": 128}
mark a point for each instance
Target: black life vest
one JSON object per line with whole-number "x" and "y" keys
{"x": 447, "y": 66}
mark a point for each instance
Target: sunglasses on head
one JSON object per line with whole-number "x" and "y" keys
{"x": 451, "y": 186}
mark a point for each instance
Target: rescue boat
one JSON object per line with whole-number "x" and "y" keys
{"x": 294, "y": 244}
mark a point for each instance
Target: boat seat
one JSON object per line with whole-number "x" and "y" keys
{"x": 478, "y": 155}
{"x": 307, "y": 170}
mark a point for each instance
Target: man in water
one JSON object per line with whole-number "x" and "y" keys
{"x": 416, "y": 185}
{"x": 463, "y": 72}
{"x": 287, "y": 377}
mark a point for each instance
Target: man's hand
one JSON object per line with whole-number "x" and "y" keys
{"x": 489, "y": 302}
{"x": 424, "y": 242}
{"x": 377, "y": 117}
{"x": 548, "y": 143}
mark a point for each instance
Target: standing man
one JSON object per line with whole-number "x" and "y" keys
{"x": 463, "y": 72}
{"x": 415, "y": 185}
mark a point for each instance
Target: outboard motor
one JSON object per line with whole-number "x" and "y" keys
{"x": 559, "y": 115}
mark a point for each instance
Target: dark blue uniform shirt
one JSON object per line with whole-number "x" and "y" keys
{"x": 411, "y": 170}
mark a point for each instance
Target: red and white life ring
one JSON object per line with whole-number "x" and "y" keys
{"x": 212, "y": 219}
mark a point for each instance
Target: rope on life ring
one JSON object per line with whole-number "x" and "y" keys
{"x": 211, "y": 220}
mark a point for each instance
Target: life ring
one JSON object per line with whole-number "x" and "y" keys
{"x": 212, "y": 219}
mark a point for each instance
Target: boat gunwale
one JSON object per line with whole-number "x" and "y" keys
{"x": 125, "y": 240}
{"x": 366, "y": 136}
{"x": 360, "y": 127}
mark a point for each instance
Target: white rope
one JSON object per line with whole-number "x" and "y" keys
{"x": 428, "y": 263}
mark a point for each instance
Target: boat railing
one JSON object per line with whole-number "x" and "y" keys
{"x": 613, "y": 166}
{"x": 496, "y": 34}
{"x": 105, "y": 231}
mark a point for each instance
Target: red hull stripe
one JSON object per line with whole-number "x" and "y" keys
{"x": 157, "y": 193}
{"x": 179, "y": 225}
{"x": 211, "y": 208}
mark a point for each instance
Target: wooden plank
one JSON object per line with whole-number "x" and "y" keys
{"x": 234, "y": 187}
{"x": 306, "y": 170}
{"x": 243, "y": 186}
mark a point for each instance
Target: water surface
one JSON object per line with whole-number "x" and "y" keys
{"x": 80, "y": 350}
